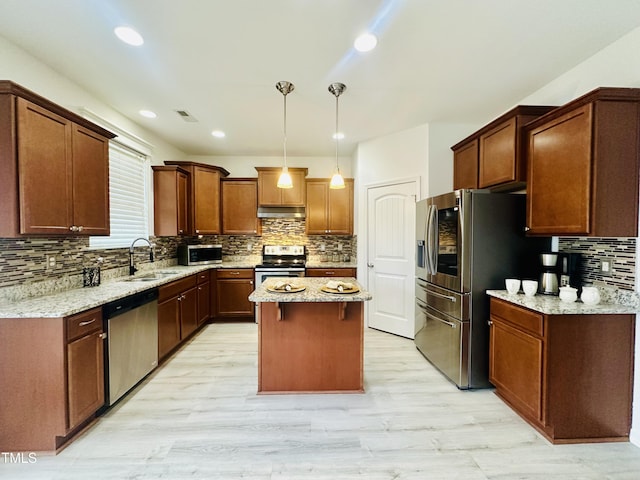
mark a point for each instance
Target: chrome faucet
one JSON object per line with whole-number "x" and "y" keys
{"x": 132, "y": 268}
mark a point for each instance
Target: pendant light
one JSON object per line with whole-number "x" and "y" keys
{"x": 284, "y": 181}
{"x": 337, "y": 181}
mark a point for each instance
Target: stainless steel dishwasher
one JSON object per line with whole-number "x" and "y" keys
{"x": 131, "y": 352}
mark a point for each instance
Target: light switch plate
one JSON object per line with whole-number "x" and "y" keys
{"x": 606, "y": 266}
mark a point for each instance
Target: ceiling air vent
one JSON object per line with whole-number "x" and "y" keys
{"x": 186, "y": 116}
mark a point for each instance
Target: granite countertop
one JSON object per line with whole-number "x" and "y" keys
{"x": 76, "y": 300}
{"x": 311, "y": 293}
{"x": 552, "y": 305}
{"x": 320, "y": 264}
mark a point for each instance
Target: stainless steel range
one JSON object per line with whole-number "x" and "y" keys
{"x": 280, "y": 261}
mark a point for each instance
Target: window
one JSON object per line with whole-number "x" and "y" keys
{"x": 128, "y": 197}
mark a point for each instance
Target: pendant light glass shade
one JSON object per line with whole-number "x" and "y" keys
{"x": 337, "y": 181}
{"x": 284, "y": 181}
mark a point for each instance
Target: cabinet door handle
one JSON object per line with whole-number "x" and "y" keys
{"x": 234, "y": 273}
{"x": 370, "y": 265}
{"x": 88, "y": 322}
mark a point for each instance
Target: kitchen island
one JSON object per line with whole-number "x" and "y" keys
{"x": 310, "y": 340}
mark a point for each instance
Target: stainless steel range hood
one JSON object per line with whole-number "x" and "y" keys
{"x": 281, "y": 212}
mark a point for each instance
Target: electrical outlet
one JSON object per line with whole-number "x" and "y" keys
{"x": 339, "y": 247}
{"x": 606, "y": 266}
{"x": 249, "y": 247}
{"x": 322, "y": 247}
{"x": 50, "y": 262}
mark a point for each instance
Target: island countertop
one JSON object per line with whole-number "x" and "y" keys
{"x": 311, "y": 293}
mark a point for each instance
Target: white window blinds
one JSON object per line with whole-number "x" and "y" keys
{"x": 128, "y": 197}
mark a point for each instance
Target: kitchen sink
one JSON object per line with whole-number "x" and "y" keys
{"x": 150, "y": 277}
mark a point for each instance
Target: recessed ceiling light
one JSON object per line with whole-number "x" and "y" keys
{"x": 147, "y": 113}
{"x": 218, "y": 134}
{"x": 338, "y": 136}
{"x": 129, "y": 35}
{"x": 365, "y": 42}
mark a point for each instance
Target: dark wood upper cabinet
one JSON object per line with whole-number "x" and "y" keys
{"x": 583, "y": 161}
{"x": 55, "y": 168}
{"x": 171, "y": 185}
{"x": 329, "y": 211}
{"x": 240, "y": 206}
{"x": 494, "y": 156}
{"x": 465, "y": 164}
{"x": 269, "y": 195}
{"x": 204, "y": 196}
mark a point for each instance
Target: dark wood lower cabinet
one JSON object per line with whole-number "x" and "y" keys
{"x": 569, "y": 376}
{"x": 233, "y": 287}
{"x": 330, "y": 272}
{"x": 51, "y": 379}
{"x": 177, "y": 313}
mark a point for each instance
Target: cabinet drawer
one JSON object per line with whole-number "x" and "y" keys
{"x": 84, "y": 323}
{"x": 235, "y": 273}
{"x": 173, "y": 289}
{"x": 202, "y": 277}
{"x": 519, "y": 317}
{"x": 331, "y": 272}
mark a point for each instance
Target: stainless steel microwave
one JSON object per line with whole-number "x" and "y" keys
{"x": 199, "y": 254}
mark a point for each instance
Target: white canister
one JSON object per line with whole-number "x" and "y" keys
{"x": 568, "y": 294}
{"x": 590, "y": 295}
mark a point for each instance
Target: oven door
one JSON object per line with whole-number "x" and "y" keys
{"x": 263, "y": 273}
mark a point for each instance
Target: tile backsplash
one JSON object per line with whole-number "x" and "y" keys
{"x": 621, "y": 250}
{"x": 24, "y": 261}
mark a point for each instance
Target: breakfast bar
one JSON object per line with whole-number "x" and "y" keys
{"x": 310, "y": 335}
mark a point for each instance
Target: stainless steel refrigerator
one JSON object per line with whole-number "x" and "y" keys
{"x": 468, "y": 241}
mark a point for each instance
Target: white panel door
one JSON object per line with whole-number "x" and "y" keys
{"x": 391, "y": 211}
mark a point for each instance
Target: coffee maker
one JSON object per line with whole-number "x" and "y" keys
{"x": 570, "y": 268}
{"x": 548, "y": 284}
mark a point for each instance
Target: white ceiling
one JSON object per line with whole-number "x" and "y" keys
{"x": 461, "y": 61}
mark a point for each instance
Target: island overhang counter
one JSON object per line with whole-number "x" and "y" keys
{"x": 310, "y": 341}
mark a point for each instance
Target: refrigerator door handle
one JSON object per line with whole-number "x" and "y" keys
{"x": 433, "y": 317}
{"x": 432, "y": 240}
{"x": 451, "y": 298}
{"x": 422, "y": 306}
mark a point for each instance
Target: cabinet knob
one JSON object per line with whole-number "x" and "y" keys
{"x": 489, "y": 322}
{"x": 73, "y": 228}
{"x": 197, "y": 231}
{"x": 526, "y": 229}
{"x": 370, "y": 265}
{"x": 80, "y": 228}
{"x": 180, "y": 232}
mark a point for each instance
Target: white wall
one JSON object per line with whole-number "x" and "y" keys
{"x": 20, "y": 67}
{"x": 614, "y": 66}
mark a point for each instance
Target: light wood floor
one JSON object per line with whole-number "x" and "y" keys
{"x": 199, "y": 417}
